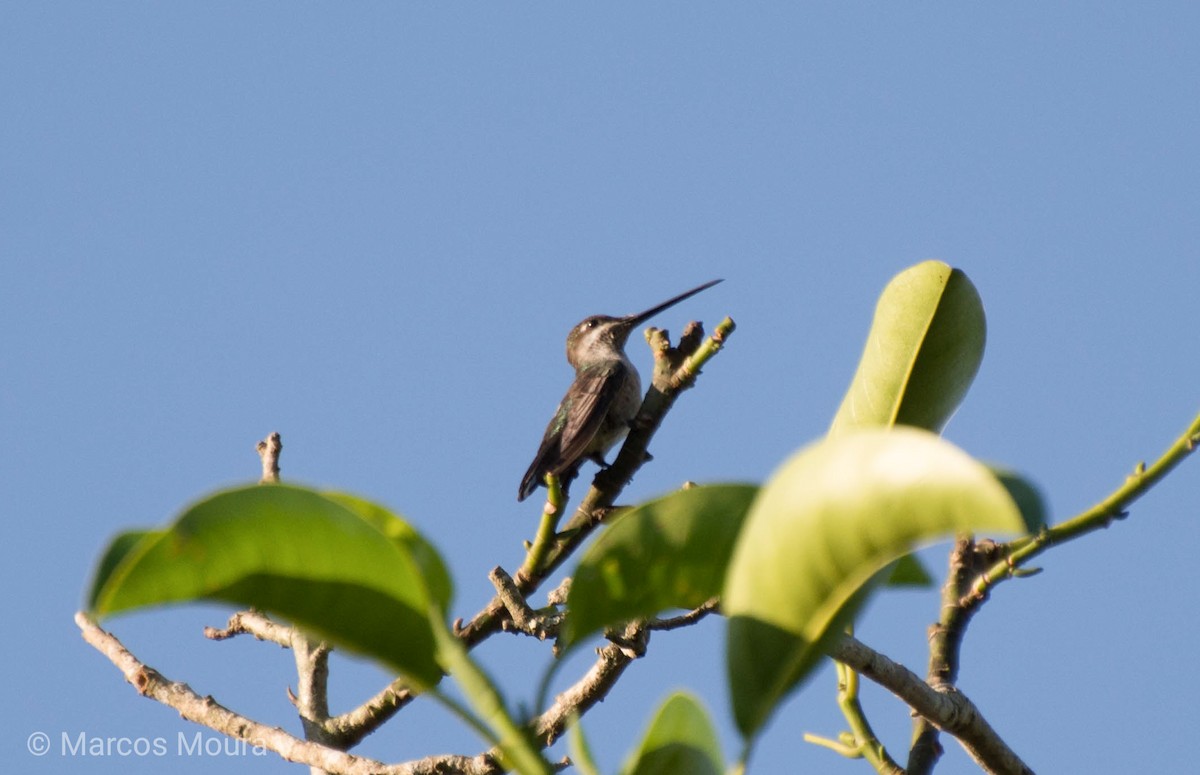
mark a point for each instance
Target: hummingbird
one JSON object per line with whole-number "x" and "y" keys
{"x": 601, "y": 403}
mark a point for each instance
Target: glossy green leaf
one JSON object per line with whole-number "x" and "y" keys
{"x": 680, "y": 740}
{"x": 432, "y": 568}
{"x": 347, "y": 570}
{"x": 825, "y": 524}
{"x": 669, "y": 553}
{"x": 922, "y": 353}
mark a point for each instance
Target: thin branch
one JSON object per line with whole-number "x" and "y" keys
{"x": 967, "y": 559}
{"x": 269, "y": 449}
{"x": 611, "y": 661}
{"x": 208, "y": 712}
{"x": 253, "y": 623}
{"x": 944, "y": 705}
{"x": 712, "y": 605}
{"x": 312, "y": 690}
{"x": 1101, "y": 515}
{"x": 351, "y": 727}
{"x": 205, "y": 710}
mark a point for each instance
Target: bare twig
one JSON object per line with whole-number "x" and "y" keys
{"x": 312, "y": 690}
{"x": 943, "y": 704}
{"x": 611, "y": 661}
{"x": 205, "y": 710}
{"x": 967, "y": 559}
{"x": 269, "y": 449}
{"x": 351, "y": 727}
{"x": 521, "y": 617}
{"x": 712, "y": 605}
{"x": 208, "y": 712}
{"x": 253, "y": 623}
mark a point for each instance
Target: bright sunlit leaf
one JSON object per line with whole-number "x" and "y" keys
{"x": 922, "y": 353}
{"x": 909, "y": 572}
{"x": 827, "y": 522}
{"x": 924, "y": 348}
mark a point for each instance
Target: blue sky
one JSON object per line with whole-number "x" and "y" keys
{"x": 370, "y": 228}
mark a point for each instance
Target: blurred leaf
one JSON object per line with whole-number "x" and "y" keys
{"x": 348, "y": 574}
{"x": 680, "y": 740}
{"x": 519, "y": 752}
{"x": 1026, "y": 495}
{"x": 829, "y": 520}
{"x": 924, "y": 348}
{"x": 909, "y": 572}
{"x": 579, "y": 750}
{"x": 118, "y": 548}
{"x": 668, "y": 553}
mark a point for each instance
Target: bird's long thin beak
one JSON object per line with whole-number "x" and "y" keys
{"x": 629, "y": 322}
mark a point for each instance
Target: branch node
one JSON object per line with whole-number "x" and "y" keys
{"x": 522, "y": 618}
{"x": 631, "y": 640}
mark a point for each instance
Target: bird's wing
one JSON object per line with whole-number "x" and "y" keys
{"x": 593, "y": 392}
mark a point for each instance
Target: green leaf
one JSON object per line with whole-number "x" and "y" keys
{"x": 343, "y": 568}
{"x": 121, "y": 546}
{"x": 1026, "y": 495}
{"x": 909, "y": 572}
{"x": 680, "y": 740}
{"x": 668, "y": 553}
{"x": 579, "y": 750}
{"x": 433, "y": 570}
{"x": 514, "y": 740}
{"x": 825, "y": 524}
{"x": 923, "y": 351}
